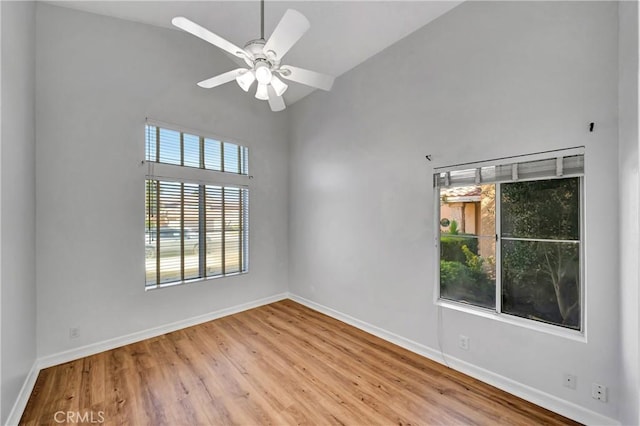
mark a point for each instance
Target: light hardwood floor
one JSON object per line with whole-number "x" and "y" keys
{"x": 280, "y": 364}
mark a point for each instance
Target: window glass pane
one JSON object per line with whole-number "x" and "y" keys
{"x": 541, "y": 281}
{"x": 231, "y": 158}
{"x": 232, "y": 251}
{"x": 467, "y": 244}
{"x": 150, "y": 142}
{"x": 468, "y": 210}
{"x": 172, "y": 237}
{"x": 544, "y": 209}
{"x": 466, "y": 275}
{"x": 150, "y": 232}
{"x": 169, "y": 146}
{"x": 191, "y": 150}
{"x": 191, "y": 231}
{"x": 232, "y": 244}
{"x": 245, "y": 229}
{"x": 169, "y": 245}
{"x": 214, "y": 230}
{"x": 212, "y": 155}
{"x": 245, "y": 160}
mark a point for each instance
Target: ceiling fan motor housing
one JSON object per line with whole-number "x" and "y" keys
{"x": 256, "y": 49}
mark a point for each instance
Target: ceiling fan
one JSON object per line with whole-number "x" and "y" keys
{"x": 263, "y": 57}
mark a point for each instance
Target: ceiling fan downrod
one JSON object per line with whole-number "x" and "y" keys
{"x": 262, "y": 19}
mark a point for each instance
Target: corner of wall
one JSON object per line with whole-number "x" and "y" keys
{"x": 1, "y": 7}
{"x": 17, "y": 203}
{"x": 629, "y": 199}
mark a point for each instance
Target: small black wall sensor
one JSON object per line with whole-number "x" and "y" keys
{"x": 591, "y": 126}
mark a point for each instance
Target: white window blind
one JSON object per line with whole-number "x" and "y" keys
{"x": 197, "y": 207}
{"x": 567, "y": 163}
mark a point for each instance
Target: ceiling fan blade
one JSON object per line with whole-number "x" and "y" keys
{"x": 206, "y": 35}
{"x": 291, "y": 27}
{"x": 275, "y": 102}
{"x": 309, "y": 78}
{"x": 221, "y": 79}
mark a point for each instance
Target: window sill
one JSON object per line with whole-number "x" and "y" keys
{"x": 194, "y": 281}
{"x": 541, "y": 327}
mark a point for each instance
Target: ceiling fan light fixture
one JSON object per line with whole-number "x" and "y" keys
{"x": 278, "y": 85}
{"x": 263, "y": 73}
{"x": 262, "y": 92}
{"x": 245, "y": 80}
{"x": 263, "y": 58}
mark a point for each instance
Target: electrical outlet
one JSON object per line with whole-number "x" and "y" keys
{"x": 599, "y": 392}
{"x": 74, "y": 333}
{"x": 463, "y": 342}
{"x": 569, "y": 381}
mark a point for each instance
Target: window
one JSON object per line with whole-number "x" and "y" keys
{"x": 510, "y": 236}
{"x": 196, "y": 207}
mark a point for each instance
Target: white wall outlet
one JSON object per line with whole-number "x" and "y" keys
{"x": 599, "y": 392}
{"x": 463, "y": 342}
{"x": 74, "y": 333}
{"x": 569, "y": 381}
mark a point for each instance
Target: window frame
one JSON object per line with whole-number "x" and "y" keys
{"x": 496, "y": 313}
{"x": 186, "y": 174}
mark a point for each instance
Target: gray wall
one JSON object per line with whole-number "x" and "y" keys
{"x": 17, "y": 201}
{"x": 629, "y": 191}
{"x": 97, "y": 79}
{"x": 486, "y": 80}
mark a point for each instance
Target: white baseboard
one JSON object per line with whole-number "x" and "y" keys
{"x": 94, "y": 348}
{"x": 543, "y": 399}
{"x": 23, "y": 396}
{"x": 540, "y": 398}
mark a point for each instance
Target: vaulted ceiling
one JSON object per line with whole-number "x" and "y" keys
{"x": 343, "y": 34}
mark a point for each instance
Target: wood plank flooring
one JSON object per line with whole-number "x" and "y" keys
{"x": 280, "y": 364}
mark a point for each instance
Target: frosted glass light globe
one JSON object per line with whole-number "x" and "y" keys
{"x": 278, "y": 85}
{"x": 246, "y": 79}
{"x": 262, "y": 92}
{"x": 263, "y": 73}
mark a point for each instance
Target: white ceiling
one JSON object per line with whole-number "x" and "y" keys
{"x": 343, "y": 34}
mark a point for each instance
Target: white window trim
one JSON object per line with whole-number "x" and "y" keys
{"x": 578, "y": 336}
{"x": 185, "y": 174}
{"x": 496, "y": 314}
